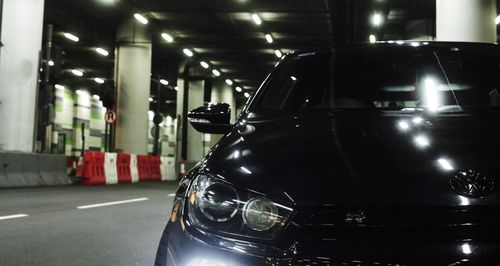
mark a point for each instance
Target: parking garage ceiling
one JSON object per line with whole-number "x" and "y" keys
{"x": 223, "y": 32}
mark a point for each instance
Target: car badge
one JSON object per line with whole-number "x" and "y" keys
{"x": 472, "y": 184}
{"x": 357, "y": 216}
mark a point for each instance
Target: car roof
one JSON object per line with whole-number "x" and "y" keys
{"x": 479, "y": 47}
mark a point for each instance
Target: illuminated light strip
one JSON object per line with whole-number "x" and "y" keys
{"x": 13, "y": 216}
{"x": 111, "y": 203}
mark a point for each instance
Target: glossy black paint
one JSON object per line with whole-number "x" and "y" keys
{"x": 213, "y": 118}
{"x": 334, "y": 164}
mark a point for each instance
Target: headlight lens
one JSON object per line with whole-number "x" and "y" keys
{"x": 260, "y": 214}
{"x": 216, "y": 205}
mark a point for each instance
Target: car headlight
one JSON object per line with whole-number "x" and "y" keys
{"x": 217, "y": 206}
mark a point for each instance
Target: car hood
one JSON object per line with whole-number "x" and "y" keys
{"x": 359, "y": 158}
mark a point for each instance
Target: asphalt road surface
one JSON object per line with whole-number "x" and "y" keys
{"x": 77, "y": 225}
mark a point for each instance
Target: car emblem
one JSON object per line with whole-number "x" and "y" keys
{"x": 355, "y": 217}
{"x": 472, "y": 184}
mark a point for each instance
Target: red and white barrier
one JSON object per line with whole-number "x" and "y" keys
{"x": 110, "y": 168}
{"x": 167, "y": 169}
{"x": 134, "y": 174}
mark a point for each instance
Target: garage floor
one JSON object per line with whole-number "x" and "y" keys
{"x": 57, "y": 232}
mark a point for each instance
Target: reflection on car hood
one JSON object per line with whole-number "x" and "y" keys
{"x": 354, "y": 158}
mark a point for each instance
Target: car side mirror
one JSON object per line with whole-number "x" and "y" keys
{"x": 213, "y": 118}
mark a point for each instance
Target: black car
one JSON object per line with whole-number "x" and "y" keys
{"x": 366, "y": 154}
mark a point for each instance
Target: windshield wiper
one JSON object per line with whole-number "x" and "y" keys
{"x": 448, "y": 81}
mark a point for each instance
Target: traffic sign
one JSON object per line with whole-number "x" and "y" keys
{"x": 110, "y": 117}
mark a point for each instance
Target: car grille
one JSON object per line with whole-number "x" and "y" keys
{"x": 449, "y": 223}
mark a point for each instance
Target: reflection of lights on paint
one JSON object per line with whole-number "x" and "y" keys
{"x": 403, "y": 125}
{"x": 431, "y": 94}
{"x": 244, "y": 169}
{"x": 204, "y": 262}
{"x": 421, "y": 141}
{"x": 464, "y": 201}
{"x": 466, "y": 249}
{"x": 417, "y": 120}
{"x": 445, "y": 164}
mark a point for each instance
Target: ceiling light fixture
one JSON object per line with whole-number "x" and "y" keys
{"x": 102, "y": 51}
{"x": 164, "y": 82}
{"x": 71, "y": 37}
{"x": 77, "y": 72}
{"x": 99, "y": 80}
{"x": 216, "y": 72}
{"x": 60, "y": 87}
{"x": 167, "y": 37}
{"x": 497, "y": 20}
{"x": 141, "y": 18}
{"x": 95, "y": 96}
{"x": 239, "y": 89}
{"x": 51, "y": 63}
{"x": 256, "y": 19}
{"x": 188, "y": 52}
{"x": 229, "y": 82}
{"x": 269, "y": 38}
{"x": 247, "y": 95}
{"x": 204, "y": 64}
{"x": 278, "y": 53}
{"x": 373, "y": 39}
{"x": 377, "y": 19}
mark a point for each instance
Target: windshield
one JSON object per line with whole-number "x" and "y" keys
{"x": 386, "y": 78}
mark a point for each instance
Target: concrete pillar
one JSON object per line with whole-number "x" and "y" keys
{"x": 133, "y": 78}
{"x": 221, "y": 92}
{"x": 466, "y": 20}
{"x": 21, "y": 36}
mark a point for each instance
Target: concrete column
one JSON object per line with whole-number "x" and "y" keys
{"x": 133, "y": 78}
{"x": 21, "y": 35}
{"x": 221, "y": 92}
{"x": 194, "y": 139}
{"x": 466, "y": 20}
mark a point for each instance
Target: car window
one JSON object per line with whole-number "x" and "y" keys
{"x": 384, "y": 79}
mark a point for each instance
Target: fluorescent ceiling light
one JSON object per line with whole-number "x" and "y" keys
{"x": 269, "y": 38}
{"x": 256, "y": 19}
{"x": 167, "y": 37}
{"x": 164, "y": 82}
{"x": 71, "y": 37}
{"x": 216, "y": 72}
{"x": 99, "y": 80}
{"x": 204, "y": 64}
{"x": 278, "y": 53}
{"x": 377, "y": 19}
{"x": 141, "y": 18}
{"x": 229, "y": 82}
{"x": 60, "y": 87}
{"x": 187, "y": 52}
{"x": 51, "y": 63}
{"x": 150, "y": 99}
{"x": 239, "y": 89}
{"x": 77, "y": 72}
{"x": 95, "y": 96}
{"x": 497, "y": 20}
{"x": 80, "y": 92}
{"x": 247, "y": 95}
{"x": 372, "y": 38}
{"x": 101, "y": 51}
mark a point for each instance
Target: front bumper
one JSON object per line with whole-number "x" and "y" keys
{"x": 186, "y": 249}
